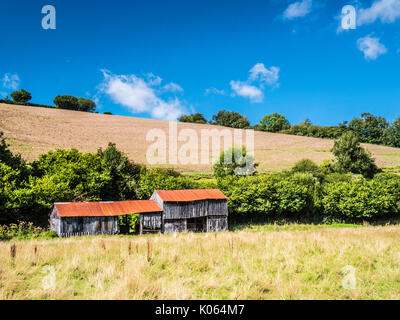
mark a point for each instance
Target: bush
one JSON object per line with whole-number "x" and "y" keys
{"x": 235, "y": 161}
{"x": 21, "y": 96}
{"x": 230, "y": 119}
{"x": 193, "y": 118}
{"x": 86, "y": 105}
{"x": 351, "y": 157}
{"x": 129, "y": 224}
{"x": 66, "y": 102}
{"x": 161, "y": 179}
{"x": 274, "y": 122}
{"x": 361, "y": 199}
{"x": 23, "y": 231}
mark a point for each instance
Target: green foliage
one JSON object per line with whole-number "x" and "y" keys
{"x": 161, "y": 179}
{"x": 392, "y": 134}
{"x": 129, "y": 224}
{"x": 7, "y": 157}
{"x": 351, "y": 157}
{"x": 107, "y": 112}
{"x": 369, "y": 128}
{"x": 275, "y": 195}
{"x": 123, "y": 174}
{"x": 24, "y": 231}
{"x": 235, "y": 161}
{"x": 21, "y": 96}
{"x": 274, "y": 122}
{"x": 305, "y": 165}
{"x": 67, "y": 102}
{"x": 306, "y": 128}
{"x": 362, "y": 199}
{"x": 193, "y": 118}
{"x": 230, "y": 119}
{"x": 86, "y": 105}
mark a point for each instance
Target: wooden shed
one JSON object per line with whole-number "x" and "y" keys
{"x": 90, "y": 218}
{"x": 167, "y": 211}
{"x": 201, "y": 210}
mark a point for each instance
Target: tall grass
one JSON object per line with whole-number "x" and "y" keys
{"x": 233, "y": 265}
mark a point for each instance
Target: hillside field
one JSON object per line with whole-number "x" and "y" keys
{"x": 326, "y": 263}
{"x": 32, "y": 131}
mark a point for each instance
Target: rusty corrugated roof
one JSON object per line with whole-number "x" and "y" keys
{"x": 190, "y": 195}
{"x": 106, "y": 209}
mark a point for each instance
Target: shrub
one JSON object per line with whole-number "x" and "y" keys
{"x": 161, "y": 179}
{"x": 21, "y": 96}
{"x": 361, "y": 199}
{"x": 274, "y": 122}
{"x": 86, "y": 105}
{"x": 230, "y": 119}
{"x": 234, "y": 161}
{"x": 66, "y": 102}
{"x": 23, "y": 231}
{"x": 193, "y": 118}
{"x": 351, "y": 157}
{"x": 129, "y": 224}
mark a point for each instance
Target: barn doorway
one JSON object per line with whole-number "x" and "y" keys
{"x": 197, "y": 224}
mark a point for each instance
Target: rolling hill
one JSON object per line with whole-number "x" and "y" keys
{"x": 32, "y": 131}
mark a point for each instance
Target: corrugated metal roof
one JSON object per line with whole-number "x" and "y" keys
{"x": 190, "y": 195}
{"x": 106, "y": 209}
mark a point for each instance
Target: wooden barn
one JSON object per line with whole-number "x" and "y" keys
{"x": 166, "y": 211}
{"x": 90, "y": 218}
{"x": 202, "y": 210}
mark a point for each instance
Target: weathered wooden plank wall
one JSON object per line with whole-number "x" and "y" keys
{"x": 171, "y": 226}
{"x": 151, "y": 221}
{"x": 217, "y": 224}
{"x": 91, "y": 225}
{"x": 55, "y": 221}
{"x": 195, "y": 209}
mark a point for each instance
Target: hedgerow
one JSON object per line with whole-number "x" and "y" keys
{"x": 29, "y": 190}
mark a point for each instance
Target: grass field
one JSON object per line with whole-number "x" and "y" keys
{"x": 32, "y": 131}
{"x": 320, "y": 263}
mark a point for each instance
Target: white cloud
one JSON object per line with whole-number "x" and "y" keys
{"x": 298, "y": 9}
{"x": 140, "y": 95}
{"x": 214, "y": 91}
{"x": 248, "y": 91}
{"x": 269, "y": 77}
{"x": 371, "y": 47}
{"x": 172, "y": 87}
{"x": 387, "y": 11}
{"x": 11, "y": 81}
{"x": 258, "y": 78}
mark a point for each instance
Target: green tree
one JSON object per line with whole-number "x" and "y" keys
{"x": 274, "y": 122}
{"x": 230, "y": 119}
{"x": 351, "y": 157}
{"x": 66, "y": 102}
{"x": 122, "y": 172}
{"x": 162, "y": 179}
{"x": 392, "y": 134}
{"x": 193, "y": 118}
{"x": 21, "y": 96}
{"x": 86, "y": 105}
{"x": 233, "y": 162}
{"x": 369, "y": 128}
{"x": 8, "y": 158}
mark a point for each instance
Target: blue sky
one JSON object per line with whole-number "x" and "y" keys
{"x": 160, "y": 59}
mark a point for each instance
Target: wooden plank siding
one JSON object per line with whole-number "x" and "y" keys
{"x": 184, "y": 214}
{"x": 150, "y": 222}
{"x": 71, "y": 226}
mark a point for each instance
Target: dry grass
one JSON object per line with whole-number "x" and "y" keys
{"x": 33, "y": 131}
{"x": 236, "y": 265}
